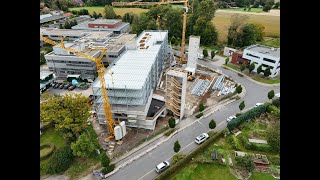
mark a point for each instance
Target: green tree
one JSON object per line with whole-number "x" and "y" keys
{"x": 249, "y": 9}
{"x": 259, "y": 31}
{"x": 245, "y": 162}
{"x": 128, "y": 17}
{"x": 206, "y": 30}
{"x": 251, "y": 67}
{"x": 207, "y": 9}
{"x": 276, "y": 5}
{"x": 109, "y": 12}
{"x": 42, "y": 59}
{"x": 271, "y": 94}
{"x": 259, "y": 70}
{"x": 266, "y": 8}
{"x": 247, "y": 35}
{"x": 172, "y": 122}
{"x": 60, "y": 26}
{"x": 212, "y": 54}
{"x": 236, "y": 22}
{"x": 104, "y": 159}
{"x": 68, "y": 114}
{"x": 99, "y": 15}
{"x": 226, "y": 61}
{"x": 267, "y": 72}
{"x": 242, "y": 67}
{"x": 84, "y": 147}
{"x": 172, "y": 21}
{"x": 94, "y": 15}
{"x": 176, "y": 147}
{"x": 173, "y": 40}
{"x": 67, "y": 25}
{"x": 201, "y": 107}
{"x": 212, "y": 124}
{"x": 205, "y": 53}
{"x": 273, "y": 136}
{"x": 241, "y": 106}
{"x": 239, "y": 89}
{"x": 60, "y": 160}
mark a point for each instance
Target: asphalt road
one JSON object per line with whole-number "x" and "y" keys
{"x": 143, "y": 168}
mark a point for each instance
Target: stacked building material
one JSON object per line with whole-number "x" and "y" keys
{"x": 200, "y": 87}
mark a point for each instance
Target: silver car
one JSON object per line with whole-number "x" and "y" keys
{"x": 162, "y": 166}
{"x": 231, "y": 118}
{"x": 201, "y": 138}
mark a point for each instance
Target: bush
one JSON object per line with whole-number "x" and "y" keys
{"x": 60, "y": 160}
{"x": 245, "y": 162}
{"x": 258, "y": 147}
{"x": 247, "y": 116}
{"x": 177, "y": 157}
{"x": 176, "y": 147}
{"x": 172, "y": 122}
{"x": 239, "y": 89}
{"x": 212, "y": 124}
{"x": 104, "y": 159}
{"x": 201, "y": 107}
{"x": 243, "y": 140}
{"x": 169, "y": 132}
{"x": 274, "y": 160}
{"x": 272, "y": 108}
{"x": 276, "y": 102}
{"x": 233, "y": 143}
{"x": 199, "y": 115}
{"x": 174, "y": 168}
{"x": 49, "y": 153}
{"x": 238, "y": 114}
{"x": 108, "y": 169}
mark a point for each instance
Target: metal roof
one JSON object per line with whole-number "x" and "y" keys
{"x": 133, "y": 68}
{"x": 275, "y": 52}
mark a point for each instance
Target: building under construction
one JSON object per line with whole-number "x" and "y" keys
{"x": 131, "y": 80}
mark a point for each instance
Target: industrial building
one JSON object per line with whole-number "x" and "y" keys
{"x": 260, "y": 55}
{"x": 114, "y": 25}
{"x": 176, "y": 85}
{"x": 135, "y": 76}
{"x": 46, "y": 18}
{"x": 79, "y": 19}
{"x": 45, "y": 79}
{"x": 64, "y": 63}
{"x": 67, "y": 34}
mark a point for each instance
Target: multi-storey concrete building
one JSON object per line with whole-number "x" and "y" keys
{"x": 64, "y": 63}
{"x": 114, "y": 25}
{"x": 194, "y": 43}
{"x": 265, "y": 56}
{"x": 134, "y": 77}
{"x": 176, "y": 86}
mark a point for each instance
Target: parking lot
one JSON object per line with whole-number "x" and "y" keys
{"x": 58, "y": 91}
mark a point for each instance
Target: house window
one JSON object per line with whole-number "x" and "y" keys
{"x": 248, "y": 54}
{"x": 269, "y": 60}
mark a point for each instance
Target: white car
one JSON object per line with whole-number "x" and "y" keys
{"x": 277, "y": 95}
{"x": 162, "y": 166}
{"x": 201, "y": 138}
{"x": 231, "y": 118}
{"x": 258, "y": 104}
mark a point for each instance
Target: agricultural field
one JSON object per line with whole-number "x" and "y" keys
{"x": 271, "y": 23}
{"x": 257, "y": 10}
{"x": 118, "y": 11}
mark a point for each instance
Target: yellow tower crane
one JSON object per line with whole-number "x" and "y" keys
{"x": 100, "y": 70}
{"x": 185, "y": 8}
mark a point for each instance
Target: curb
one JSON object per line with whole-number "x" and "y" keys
{"x": 250, "y": 79}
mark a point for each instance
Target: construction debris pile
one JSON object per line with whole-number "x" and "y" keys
{"x": 199, "y": 87}
{"x": 224, "y": 88}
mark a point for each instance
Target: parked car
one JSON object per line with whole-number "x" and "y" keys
{"x": 162, "y": 166}
{"x": 66, "y": 86}
{"x": 71, "y": 87}
{"x": 56, "y": 85}
{"x": 61, "y": 86}
{"x": 231, "y": 118}
{"x": 201, "y": 138}
{"x": 258, "y": 104}
{"x": 277, "y": 95}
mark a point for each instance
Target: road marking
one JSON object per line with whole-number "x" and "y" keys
{"x": 166, "y": 160}
{"x": 203, "y": 125}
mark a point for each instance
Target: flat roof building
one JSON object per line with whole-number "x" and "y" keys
{"x": 134, "y": 77}
{"x": 114, "y": 25}
{"x": 49, "y": 17}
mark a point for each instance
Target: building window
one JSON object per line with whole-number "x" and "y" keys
{"x": 269, "y": 60}
{"x": 278, "y": 67}
{"x": 248, "y": 54}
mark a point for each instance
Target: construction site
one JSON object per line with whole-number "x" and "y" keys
{"x": 137, "y": 81}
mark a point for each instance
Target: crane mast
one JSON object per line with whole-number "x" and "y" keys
{"x": 100, "y": 70}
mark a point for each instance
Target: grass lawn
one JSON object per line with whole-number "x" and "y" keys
{"x": 203, "y": 172}
{"x": 118, "y": 11}
{"x": 269, "y": 41}
{"x": 81, "y": 167}
{"x": 44, "y": 151}
{"x": 257, "y": 10}
{"x": 233, "y": 66}
{"x": 222, "y": 23}
{"x": 261, "y": 176}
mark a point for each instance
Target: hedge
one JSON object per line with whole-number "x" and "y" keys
{"x": 49, "y": 153}
{"x": 60, "y": 160}
{"x": 169, "y": 132}
{"x": 276, "y": 102}
{"x": 174, "y": 168}
{"x": 199, "y": 115}
{"x": 108, "y": 169}
{"x": 247, "y": 116}
{"x": 259, "y": 147}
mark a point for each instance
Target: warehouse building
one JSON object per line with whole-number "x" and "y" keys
{"x": 134, "y": 77}
{"x": 114, "y": 25}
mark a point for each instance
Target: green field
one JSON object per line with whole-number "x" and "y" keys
{"x": 261, "y": 176}
{"x": 204, "y": 172}
{"x": 271, "y": 23}
{"x": 257, "y": 10}
{"x": 118, "y": 11}
{"x": 268, "y": 41}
